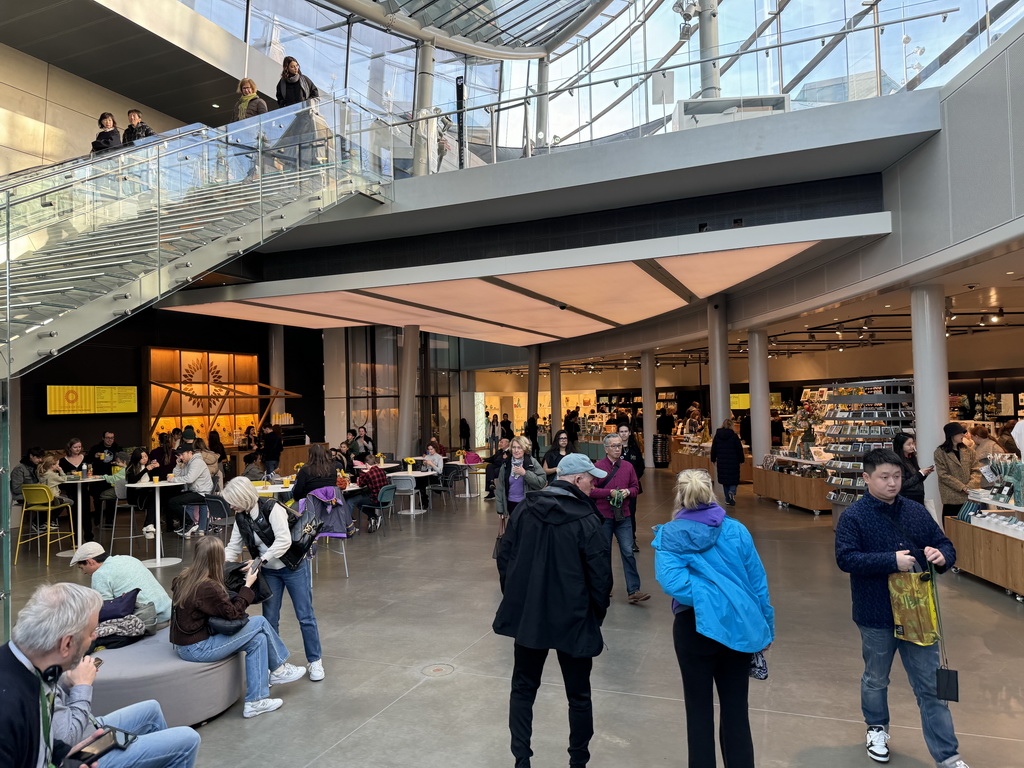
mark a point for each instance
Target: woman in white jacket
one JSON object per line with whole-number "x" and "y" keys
{"x": 263, "y": 529}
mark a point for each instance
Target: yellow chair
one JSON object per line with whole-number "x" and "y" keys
{"x": 38, "y": 499}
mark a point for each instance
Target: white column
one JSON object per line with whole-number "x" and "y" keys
{"x": 543, "y": 83}
{"x": 335, "y": 385}
{"x": 407, "y": 371}
{"x": 556, "y": 398}
{"x": 276, "y": 346}
{"x": 931, "y": 376}
{"x": 532, "y": 381}
{"x": 710, "y": 75}
{"x": 718, "y": 360}
{"x": 760, "y": 401}
{"x": 648, "y": 393}
{"x": 424, "y": 133}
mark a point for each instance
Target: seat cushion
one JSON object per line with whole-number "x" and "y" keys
{"x": 189, "y": 692}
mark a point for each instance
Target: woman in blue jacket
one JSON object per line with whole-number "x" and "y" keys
{"x": 707, "y": 563}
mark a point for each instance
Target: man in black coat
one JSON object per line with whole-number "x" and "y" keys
{"x": 506, "y": 427}
{"x": 494, "y": 463}
{"x": 41, "y": 648}
{"x": 556, "y": 580}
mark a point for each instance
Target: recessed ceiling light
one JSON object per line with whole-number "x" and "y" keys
{"x": 888, "y": 306}
{"x": 1011, "y": 273}
{"x": 215, "y": 106}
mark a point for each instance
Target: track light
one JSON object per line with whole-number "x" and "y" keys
{"x": 996, "y": 317}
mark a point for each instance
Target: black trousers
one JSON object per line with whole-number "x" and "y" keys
{"x": 705, "y": 665}
{"x": 526, "y": 676}
{"x": 176, "y": 507}
{"x": 632, "y": 516}
{"x": 951, "y": 510}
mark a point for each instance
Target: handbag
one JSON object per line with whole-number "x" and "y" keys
{"x": 947, "y": 681}
{"x": 234, "y": 580}
{"x": 221, "y": 626}
{"x": 912, "y": 595}
{"x": 758, "y": 666}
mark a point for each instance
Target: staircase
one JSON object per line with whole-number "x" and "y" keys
{"x": 88, "y": 242}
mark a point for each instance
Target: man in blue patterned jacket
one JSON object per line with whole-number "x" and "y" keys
{"x": 880, "y": 534}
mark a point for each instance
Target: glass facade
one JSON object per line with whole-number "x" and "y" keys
{"x": 805, "y": 54}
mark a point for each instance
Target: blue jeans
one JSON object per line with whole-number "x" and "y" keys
{"x": 879, "y": 646}
{"x": 157, "y": 746}
{"x": 623, "y": 531}
{"x": 300, "y": 589}
{"x": 270, "y": 466}
{"x": 264, "y": 652}
{"x": 730, "y": 491}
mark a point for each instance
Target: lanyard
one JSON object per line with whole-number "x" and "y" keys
{"x": 45, "y": 714}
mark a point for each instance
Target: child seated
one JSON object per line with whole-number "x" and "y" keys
{"x": 116, "y": 478}
{"x": 50, "y": 474}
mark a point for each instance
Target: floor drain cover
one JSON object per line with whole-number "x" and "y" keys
{"x": 438, "y": 670}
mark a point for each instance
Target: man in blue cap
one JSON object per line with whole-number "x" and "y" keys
{"x": 556, "y": 579}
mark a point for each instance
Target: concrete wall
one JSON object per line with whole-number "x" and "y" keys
{"x": 47, "y": 114}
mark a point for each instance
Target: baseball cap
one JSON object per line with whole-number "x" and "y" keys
{"x": 577, "y": 464}
{"x": 87, "y": 551}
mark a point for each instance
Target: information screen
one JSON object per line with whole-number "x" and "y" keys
{"x": 63, "y": 400}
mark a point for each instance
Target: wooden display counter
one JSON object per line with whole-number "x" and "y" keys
{"x": 989, "y": 555}
{"x": 806, "y": 492}
{"x": 680, "y": 461}
{"x": 290, "y": 456}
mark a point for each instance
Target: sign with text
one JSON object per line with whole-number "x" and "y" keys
{"x": 63, "y": 400}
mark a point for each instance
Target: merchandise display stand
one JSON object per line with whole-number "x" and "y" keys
{"x": 862, "y": 415}
{"x": 994, "y": 553}
{"x": 792, "y": 489}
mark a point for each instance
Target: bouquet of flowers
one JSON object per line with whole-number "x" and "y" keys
{"x": 805, "y": 419}
{"x": 380, "y": 458}
{"x": 460, "y": 455}
{"x": 409, "y": 462}
{"x": 300, "y": 465}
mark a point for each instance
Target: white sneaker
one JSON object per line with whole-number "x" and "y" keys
{"x": 316, "y": 670}
{"x": 878, "y": 744}
{"x": 958, "y": 764}
{"x": 254, "y": 708}
{"x": 286, "y": 673}
{"x": 189, "y": 530}
{"x": 149, "y": 531}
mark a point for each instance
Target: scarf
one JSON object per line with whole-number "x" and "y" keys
{"x": 293, "y": 78}
{"x": 243, "y": 105}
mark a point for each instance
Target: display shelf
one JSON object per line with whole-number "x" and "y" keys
{"x": 788, "y": 489}
{"x": 864, "y": 415}
{"x": 989, "y": 555}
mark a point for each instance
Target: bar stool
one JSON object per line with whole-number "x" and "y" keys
{"x": 132, "y": 535}
{"x": 39, "y": 499}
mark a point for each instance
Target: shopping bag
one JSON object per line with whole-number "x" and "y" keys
{"x": 912, "y": 596}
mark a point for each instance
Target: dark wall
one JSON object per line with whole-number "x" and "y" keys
{"x": 117, "y": 357}
{"x": 304, "y": 374}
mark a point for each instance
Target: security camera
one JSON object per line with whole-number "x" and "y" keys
{"x": 685, "y": 32}
{"x": 687, "y": 11}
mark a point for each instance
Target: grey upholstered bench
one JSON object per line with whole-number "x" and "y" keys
{"x": 189, "y": 693}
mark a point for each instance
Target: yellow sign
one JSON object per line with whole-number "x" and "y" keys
{"x": 64, "y": 400}
{"x": 740, "y": 402}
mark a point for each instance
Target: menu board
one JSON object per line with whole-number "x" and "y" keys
{"x": 64, "y": 400}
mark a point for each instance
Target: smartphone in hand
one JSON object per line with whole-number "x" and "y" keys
{"x": 96, "y": 747}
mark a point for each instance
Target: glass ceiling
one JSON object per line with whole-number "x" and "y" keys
{"x": 514, "y": 23}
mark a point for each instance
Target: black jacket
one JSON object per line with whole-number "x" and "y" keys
{"x": 555, "y": 572}
{"x": 136, "y": 132}
{"x": 913, "y": 481}
{"x": 506, "y": 429}
{"x": 631, "y": 453}
{"x": 665, "y": 424}
{"x": 19, "y": 716}
{"x": 727, "y": 455}
{"x": 103, "y": 464}
{"x": 271, "y": 450}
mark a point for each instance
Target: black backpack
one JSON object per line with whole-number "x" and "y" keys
{"x": 304, "y": 528}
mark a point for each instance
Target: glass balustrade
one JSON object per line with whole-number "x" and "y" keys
{"x": 98, "y": 238}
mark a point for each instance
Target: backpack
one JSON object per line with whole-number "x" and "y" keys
{"x": 304, "y": 527}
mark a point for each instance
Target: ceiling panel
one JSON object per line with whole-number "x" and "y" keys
{"x": 491, "y": 302}
{"x": 708, "y": 273}
{"x": 620, "y": 292}
{"x": 384, "y": 312}
{"x": 262, "y": 314}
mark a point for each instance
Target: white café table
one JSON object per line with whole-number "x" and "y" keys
{"x": 79, "y": 481}
{"x": 158, "y": 561}
{"x": 465, "y": 475}
{"x": 413, "y": 509}
{"x": 386, "y": 465}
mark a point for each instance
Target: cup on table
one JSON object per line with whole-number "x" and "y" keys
{"x": 170, "y": 478}
{"x": 156, "y": 481}
{"x": 77, "y": 474}
{"x": 286, "y": 481}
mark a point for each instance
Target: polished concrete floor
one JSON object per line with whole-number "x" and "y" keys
{"x": 416, "y": 678}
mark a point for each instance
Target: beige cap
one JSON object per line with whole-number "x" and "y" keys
{"x": 87, "y": 551}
